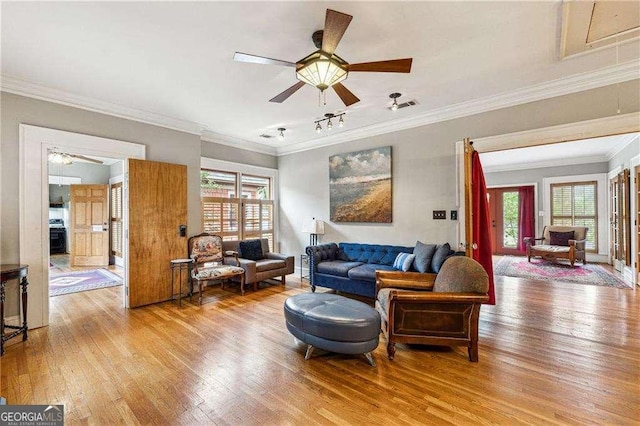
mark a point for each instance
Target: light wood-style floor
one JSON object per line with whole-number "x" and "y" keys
{"x": 550, "y": 353}
{"x": 62, "y": 263}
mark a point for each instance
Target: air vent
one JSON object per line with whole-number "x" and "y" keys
{"x": 407, "y": 104}
{"x": 264, "y": 135}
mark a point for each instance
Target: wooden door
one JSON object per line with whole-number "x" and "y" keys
{"x": 503, "y": 204}
{"x": 89, "y": 228}
{"x": 157, "y": 208}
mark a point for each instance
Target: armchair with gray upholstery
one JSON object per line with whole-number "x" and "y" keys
{"x": 258, "y": 262}
{"x": 415, "y": 308}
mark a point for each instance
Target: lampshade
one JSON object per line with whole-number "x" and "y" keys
{"x": 321, "y": 70}
{"x": 314, "y": 226}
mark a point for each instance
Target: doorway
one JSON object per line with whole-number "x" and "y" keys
{"x": 512, "y": 218}
{"x": 81, "y": 258}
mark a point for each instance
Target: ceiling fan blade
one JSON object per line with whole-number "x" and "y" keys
{"x": 345, "y": 94}
{"x": 290, "y": 91}
{"x": 245, "y": 57}
{"x": 394, "y": 65}
{"x": 89, "y": 159}
{"x": 335, "y": 24}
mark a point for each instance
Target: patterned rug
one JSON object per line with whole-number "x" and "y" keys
{"x": 74, "y": 282}
{"x": 539, "y": 269}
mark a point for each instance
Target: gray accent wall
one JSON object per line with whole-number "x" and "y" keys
{"x": 530, "y": 176}
{"x": 423, "y": 167}
{"x": 237, "y": 155}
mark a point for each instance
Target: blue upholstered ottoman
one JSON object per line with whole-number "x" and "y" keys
{"x": 333, "y": 323}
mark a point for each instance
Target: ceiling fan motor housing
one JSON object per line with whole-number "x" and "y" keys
{"x": 317, "y": 38}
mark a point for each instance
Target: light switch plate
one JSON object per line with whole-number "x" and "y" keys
{"x": 439, "y": 214}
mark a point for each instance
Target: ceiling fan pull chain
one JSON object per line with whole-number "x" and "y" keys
{"x": 325, "y": 97}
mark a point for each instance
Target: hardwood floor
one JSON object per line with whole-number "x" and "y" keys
{"x": 62, "y": 263}
{"x": 550, "y": 353}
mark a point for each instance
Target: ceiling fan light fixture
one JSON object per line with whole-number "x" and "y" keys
{"x": 395, "y": 96}
{"x": 341, "y": 121}
{"x": 321, "y": 70}
{"x": 59, "y": 158}
{"x": 281, "y": 133}
{"x": 318, "y": 127}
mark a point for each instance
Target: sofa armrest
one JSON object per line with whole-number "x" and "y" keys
{"x": 531, "y": 240}
{"x": 288, "y": 260}
{"x": 405, "y": 280}
{"x": 430, "y": 297}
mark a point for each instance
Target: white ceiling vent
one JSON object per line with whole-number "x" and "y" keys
{"x": 264, "y": 135}
{"x": 406, "y": 104}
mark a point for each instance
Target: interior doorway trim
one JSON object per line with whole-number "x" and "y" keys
{"x": 34, "y": 203}
{"x": 607, "y": 126}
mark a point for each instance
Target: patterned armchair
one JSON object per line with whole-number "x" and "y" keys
{"x": 209, "y": 261}
{"x": 417, "y": 309}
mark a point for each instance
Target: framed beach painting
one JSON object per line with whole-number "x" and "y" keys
{"x": 360, "y": 186}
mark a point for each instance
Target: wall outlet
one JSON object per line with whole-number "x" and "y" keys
{"x": 439, "y": 214}
{"x": 454, "y": 214}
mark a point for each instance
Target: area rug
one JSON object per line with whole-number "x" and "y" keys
{"x": 74, "y": 282}
{"x": 539, "y": 269}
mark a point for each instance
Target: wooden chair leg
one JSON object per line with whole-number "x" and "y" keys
{"x": 200, "y": 293}
{"x": 473, "y": 351}
{"x": 284, "y": 280}
{"x": 391, "y": 350}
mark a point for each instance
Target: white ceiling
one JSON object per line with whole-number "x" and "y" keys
{"x": 594, "y": 150}
{"x": 171, "y": 62}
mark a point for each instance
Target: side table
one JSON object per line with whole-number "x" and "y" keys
{"x": 304, "y": 266}
{"x": 13, "y": 272}
{"x": 181, "y": 265}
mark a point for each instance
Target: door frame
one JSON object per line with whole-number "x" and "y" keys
{"x": 635, "y": 207}
{"x": 34, "y": 143}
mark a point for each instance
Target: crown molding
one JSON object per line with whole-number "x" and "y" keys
{"x": 564, "y": 86}
{"x": 630, "y": 138}
{"x": 546, "y": 163}
{"x": 213, "y": 137}
{"x": 38, "y": 91}
{"x": 576, "y": 83}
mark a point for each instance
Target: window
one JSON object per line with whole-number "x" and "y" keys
{"x": 233, "y": 218}
{"x": 116, "y": 219}
{"x": 576, "y": 204}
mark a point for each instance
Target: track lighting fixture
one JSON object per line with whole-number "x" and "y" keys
{"x": 395, "y": 96}
{"x": 328, "y": 116}
{"x": 281, "y": 133}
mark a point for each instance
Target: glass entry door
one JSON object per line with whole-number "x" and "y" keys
{"x": 504, "y": 204}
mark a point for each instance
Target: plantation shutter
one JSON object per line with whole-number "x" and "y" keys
{"x": 116, "y": 219}
{"x": 576, "y": 204}
{"x": 221, "y": 216}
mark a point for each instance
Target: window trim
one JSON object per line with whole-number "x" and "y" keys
{"x": 602, "y": 253}
{"x": 246, "y": 169}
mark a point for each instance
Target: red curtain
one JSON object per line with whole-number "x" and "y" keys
{"x": 526, "y": 215}
{"x": 481, "y": 222}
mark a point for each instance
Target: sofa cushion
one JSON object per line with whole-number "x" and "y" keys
{"x": 441, "y": 254}
{"x": 424, "y": 253}
{"x": 560, "y": 238}
{"x": 403, "y": 261}
{"x": 367, "y": 272}
{"x": 339, "y": 268}
{"x": 250, "y": 249}
{"x": 372, "y": 253}
{"x": 269, "y": 264}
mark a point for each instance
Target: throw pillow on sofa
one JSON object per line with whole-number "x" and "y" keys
{"x": 441, "y": 254}
{"x": 403, "y": 261}
{"x": 560, "y": 238}
{"x": 424, "y": 253}
{"x": 250, "y": 249}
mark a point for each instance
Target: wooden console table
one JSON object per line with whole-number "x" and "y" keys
{"x": 13, "y": 272}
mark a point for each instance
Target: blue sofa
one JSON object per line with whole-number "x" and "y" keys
{"x": 351, "y": 267}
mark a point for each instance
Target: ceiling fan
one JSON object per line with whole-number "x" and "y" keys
{"x": 57, "y": 157}
{"x": 323, "y": 68}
